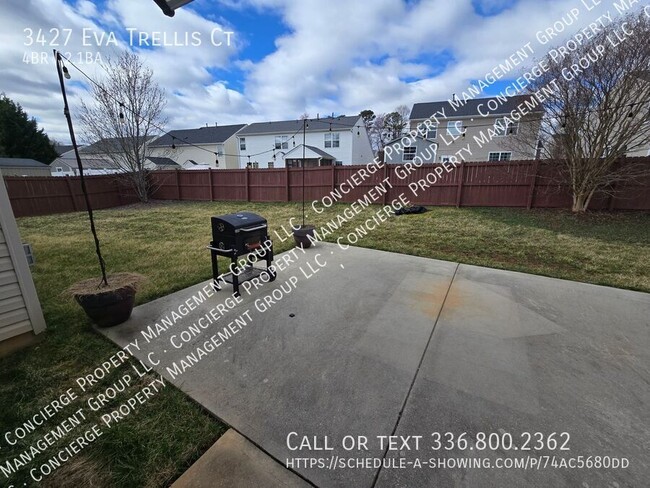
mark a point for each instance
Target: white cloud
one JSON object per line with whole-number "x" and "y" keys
{"x": 342, "y": 56}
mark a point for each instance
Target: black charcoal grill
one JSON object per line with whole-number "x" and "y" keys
{"x": 236, "y": 235}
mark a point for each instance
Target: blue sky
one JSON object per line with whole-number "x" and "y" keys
{"x": 288, "y": 57}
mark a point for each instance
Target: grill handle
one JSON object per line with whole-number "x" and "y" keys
{"x": 251, "y": 229}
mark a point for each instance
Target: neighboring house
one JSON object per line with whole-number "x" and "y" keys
{"x": 23, "y": 167}
{"x": 457, "y": 127}
{"x": 312, "y": 156}
{"x": 205, "y": 146}
{"x": 332, "y": 140}
{"x": 153, "y": 163}
{"x": 20, "y": 310}
{"x": 93, "y": 164}
{"x": 190, "y": 164}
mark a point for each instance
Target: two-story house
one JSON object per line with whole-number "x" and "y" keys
{"x": 327, "y": 141}
{"x": 463, "y": 124}
{"x": 202, "y": 147}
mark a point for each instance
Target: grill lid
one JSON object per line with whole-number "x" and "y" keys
{"x": 232, "y": 223}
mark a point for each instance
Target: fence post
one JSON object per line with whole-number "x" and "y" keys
{"x": 210, "y": 182}
{"x": 386, "y": 176}
{"x": 117, "y": 190}
{"x": 178, "y": 184}
{"x": 247, "y": 184}
{"x": 459, "y": 189}
{"x": 334, "y": 176}
{"x": 610, "y": 202}
{"x": 533, "y": 183}
{"x": 74, "y": 200}
{"x": 287, "y": 181}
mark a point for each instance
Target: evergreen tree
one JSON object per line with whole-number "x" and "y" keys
{"x": 20, "y": 136}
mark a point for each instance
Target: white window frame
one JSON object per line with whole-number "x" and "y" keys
{"x": 445, "y": 158}
{"x": 255, "y": 165}
{"x": 332, "y": 139}
{"x": 504, "y": 129}
{"x": 500, "y": 156}
{"x": 271, "y": 165}
{"x": 434, "y": 129}
{"x": 411, "y": 151}
{"x": 242, "y": 143}
{"x": 457, "y": 126}
{"x": 281, "y": 142}
{"x": 59, "y": 169}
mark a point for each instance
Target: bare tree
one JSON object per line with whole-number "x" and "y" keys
{"x": 124, "y": 114}
{"x": 597, "y": 110}
{"x": 380, "y": 136}
{"x": 396, "y": 122}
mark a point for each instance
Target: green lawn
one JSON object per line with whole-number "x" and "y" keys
{"x": 166, "y": 243}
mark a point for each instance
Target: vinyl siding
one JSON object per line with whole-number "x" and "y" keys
{"x": 14, "y": 318}
{"x": 20, "y": 310}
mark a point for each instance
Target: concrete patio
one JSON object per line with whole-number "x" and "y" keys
{"x": 377, "y": 344}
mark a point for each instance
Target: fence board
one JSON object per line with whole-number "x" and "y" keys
{"x": 526, "y": 184}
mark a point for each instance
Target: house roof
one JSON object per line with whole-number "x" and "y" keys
{"x": 468, "y": 108}
{"x": 109, "y": 144}
{"x": 389, "y": 143}
{"x": 21, "y": 163}
{"x": 293, "y": 126}
{"x": 314, "y": 149}
{"x": 203, "y": 135}
{"x": 88, "y": 162}
{"x": 162, "y": 161}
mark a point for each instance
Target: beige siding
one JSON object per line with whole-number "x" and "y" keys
{"x": 20, "y": 310}
{"x": 231, "y": 148}
{"x": 13, "y": 312}
{"x": 447, "y": 146}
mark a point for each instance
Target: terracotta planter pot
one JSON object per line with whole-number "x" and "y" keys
{"x": 109, "y": 308}
{"x": 301, "y": 236}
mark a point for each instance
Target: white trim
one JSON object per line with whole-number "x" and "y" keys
{"x": 21, "y": 267}
{"x": 500, "y": 153}
{"x": 414, "y": 152}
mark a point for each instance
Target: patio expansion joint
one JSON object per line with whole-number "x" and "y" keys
{"x": 417, "y": 370}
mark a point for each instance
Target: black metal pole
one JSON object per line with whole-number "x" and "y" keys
{"x": 66, "y": 112}
{"x": 304, "y": 131}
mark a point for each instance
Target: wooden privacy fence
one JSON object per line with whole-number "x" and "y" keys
{"x": 527, "y": 184}
{"x": 36, "y": 195}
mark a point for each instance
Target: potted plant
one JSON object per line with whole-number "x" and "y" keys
{"x": 302, "y": 233}
{"x": 110, "y": 301}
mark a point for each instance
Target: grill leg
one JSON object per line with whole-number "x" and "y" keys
{"x": 269, "y": 264}
{"x": 235, "y": 277}
{"x": 215, "y": 271}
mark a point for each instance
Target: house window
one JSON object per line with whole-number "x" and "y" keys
{"x": 332, "y": 139}
{"x": 282, "y": 142}
{"x": 255, "y": 165}
{"x": 409, "y": 154}
{"x": 242, "y": 143}
{"x": 504, "y": 127}
{"x": 270, "y": 164}
{"x": 499, "y": 156}
{"x": 432, "y": 132}
{"x": 59, "y": 169}
{"x": 455, "y": 127}
{"x": 445, "y": 159}
{"x": 339, "y": 163}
